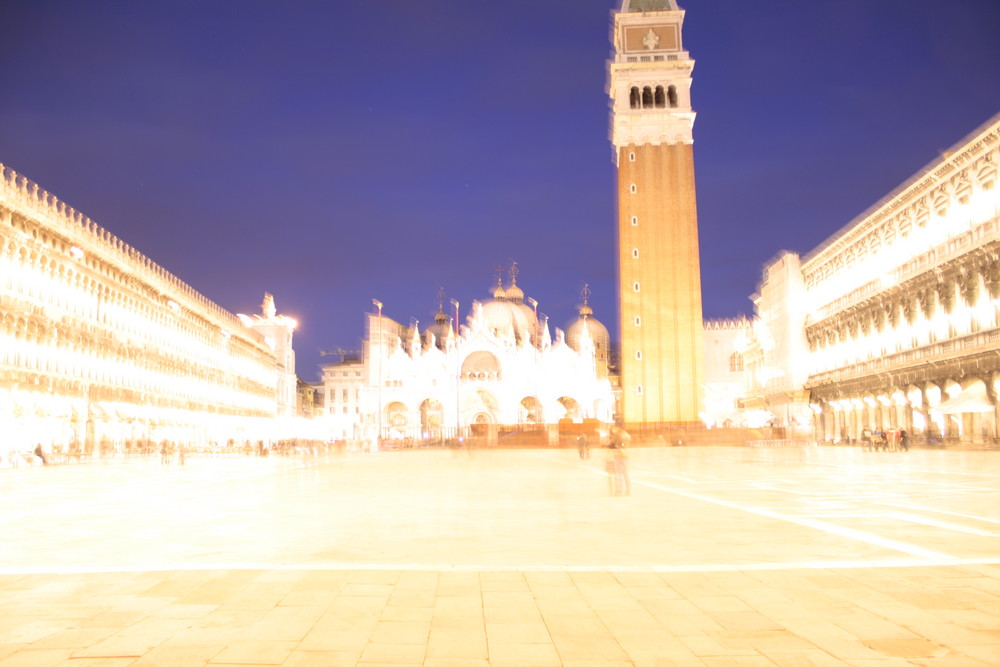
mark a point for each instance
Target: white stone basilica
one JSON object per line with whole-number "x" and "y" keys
{"x": 501, "y": 376}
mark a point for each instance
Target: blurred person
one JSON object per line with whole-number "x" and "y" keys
{"x": 583, "y": 446}
{"x": 40, "y": 453}
{"x": 620, "y": 440}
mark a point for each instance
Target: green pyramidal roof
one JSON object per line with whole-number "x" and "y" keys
{"x": 649, "y": 5}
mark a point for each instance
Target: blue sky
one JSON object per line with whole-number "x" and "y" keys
{"x": 334, "y": 152}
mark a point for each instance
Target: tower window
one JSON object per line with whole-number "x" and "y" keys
{"x": 638, "y": 321}
{"x": 632, "y": 188}
{"x": 659, "y": 99}
{"x": 635, "y": 287}
{"x": 647, "y": 98}
{"x": 638, "y": 389}
{"x": 638, "y": 355}
{"x": 635, "y": 253}
{"x": 631, "y": 156}
{"x": 633, "y": 97}
{"x": 635, "y": 221}
{"x": 672, "y": 96}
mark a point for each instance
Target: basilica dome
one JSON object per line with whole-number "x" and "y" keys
{"x": 507, "y": 314}
{"x": 597, "y": 332}
{"x": 440, "y": 330}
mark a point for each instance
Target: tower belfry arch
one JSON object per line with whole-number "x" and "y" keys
{"x": 659, "y": 274}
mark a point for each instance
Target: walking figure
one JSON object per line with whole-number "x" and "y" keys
{"x": 583, "y": 445}
{"x": 621, "y": 484}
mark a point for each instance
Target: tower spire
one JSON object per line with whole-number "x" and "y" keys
{"x": 585, "y": 309}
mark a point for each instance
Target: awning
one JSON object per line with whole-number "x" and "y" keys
{"x": 972, "y": 399}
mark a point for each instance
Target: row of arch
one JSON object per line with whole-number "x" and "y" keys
{"x": 942, "y": 410}
{"x": 110, "y": 365}
{"x": 134, "y": 310}
{"x": 652, "y": 97}
{"x": 68, "y": 315}
{"x": 962, "y": 304}
{"x": 430, "y": 413}
{"x": 70, "y": 296}
{"x": 58, "y": 215}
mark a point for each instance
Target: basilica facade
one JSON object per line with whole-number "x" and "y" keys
{"x": 501, "y": 377}
{"x": 894, "y": 322}
{"x": 101, "y": 348}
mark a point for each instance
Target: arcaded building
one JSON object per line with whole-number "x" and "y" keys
{"x": 101, "y": 348}
{"x": 500, "y": 375}
{"x": 893, "y": 321}
{"x": 659, "y": 275}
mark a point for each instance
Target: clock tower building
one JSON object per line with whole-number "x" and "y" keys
{"x": 659, "y": 276}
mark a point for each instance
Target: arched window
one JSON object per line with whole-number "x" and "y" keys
{"x": 647, "y": 98}
{"x": 633, "y": 97}
{"x": 672, "y": 96}
{"x": 736, "y": 363}
{"x": 659, "y": 99}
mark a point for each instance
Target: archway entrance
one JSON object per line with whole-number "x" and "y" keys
{"x": 431, "y": 420}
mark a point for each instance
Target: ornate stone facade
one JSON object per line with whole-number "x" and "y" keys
{"x": 502, "y": 374}
{"x": 725, "y": 379}
{"x": 900, "y": 308}
{"x": 102, "y": 348}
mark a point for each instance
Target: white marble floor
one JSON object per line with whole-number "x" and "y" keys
{"x": 719, "y": 556}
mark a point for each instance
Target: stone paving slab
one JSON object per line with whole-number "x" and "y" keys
{"x": 721, "y": 556}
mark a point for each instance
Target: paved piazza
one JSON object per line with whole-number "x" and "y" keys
{"x": 721, "y": 556}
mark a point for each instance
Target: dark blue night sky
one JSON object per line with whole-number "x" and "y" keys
{"x": 334, "y": 152}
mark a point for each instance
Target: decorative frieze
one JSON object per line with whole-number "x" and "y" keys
{"x": 963, "y": 179}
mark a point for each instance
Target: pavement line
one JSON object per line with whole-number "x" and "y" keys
{"x": 918, "y": 508}
{"x": 833, "y": 529}
{"x": 481, "y": 567}
{"x": 815, "y": 524}
{"x": 912, "y": 518}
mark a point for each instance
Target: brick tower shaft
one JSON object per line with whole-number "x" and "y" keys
{"x": 658, "y": 261}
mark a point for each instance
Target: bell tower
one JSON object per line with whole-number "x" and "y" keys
{"x": 659, "y": 273}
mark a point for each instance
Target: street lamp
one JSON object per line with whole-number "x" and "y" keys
{"x": 378, "y": 437}
{"x": 458, "y": 376}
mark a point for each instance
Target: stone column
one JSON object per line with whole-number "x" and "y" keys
{"x": 932, "y": 428}
{"x": 991, "y": 417}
